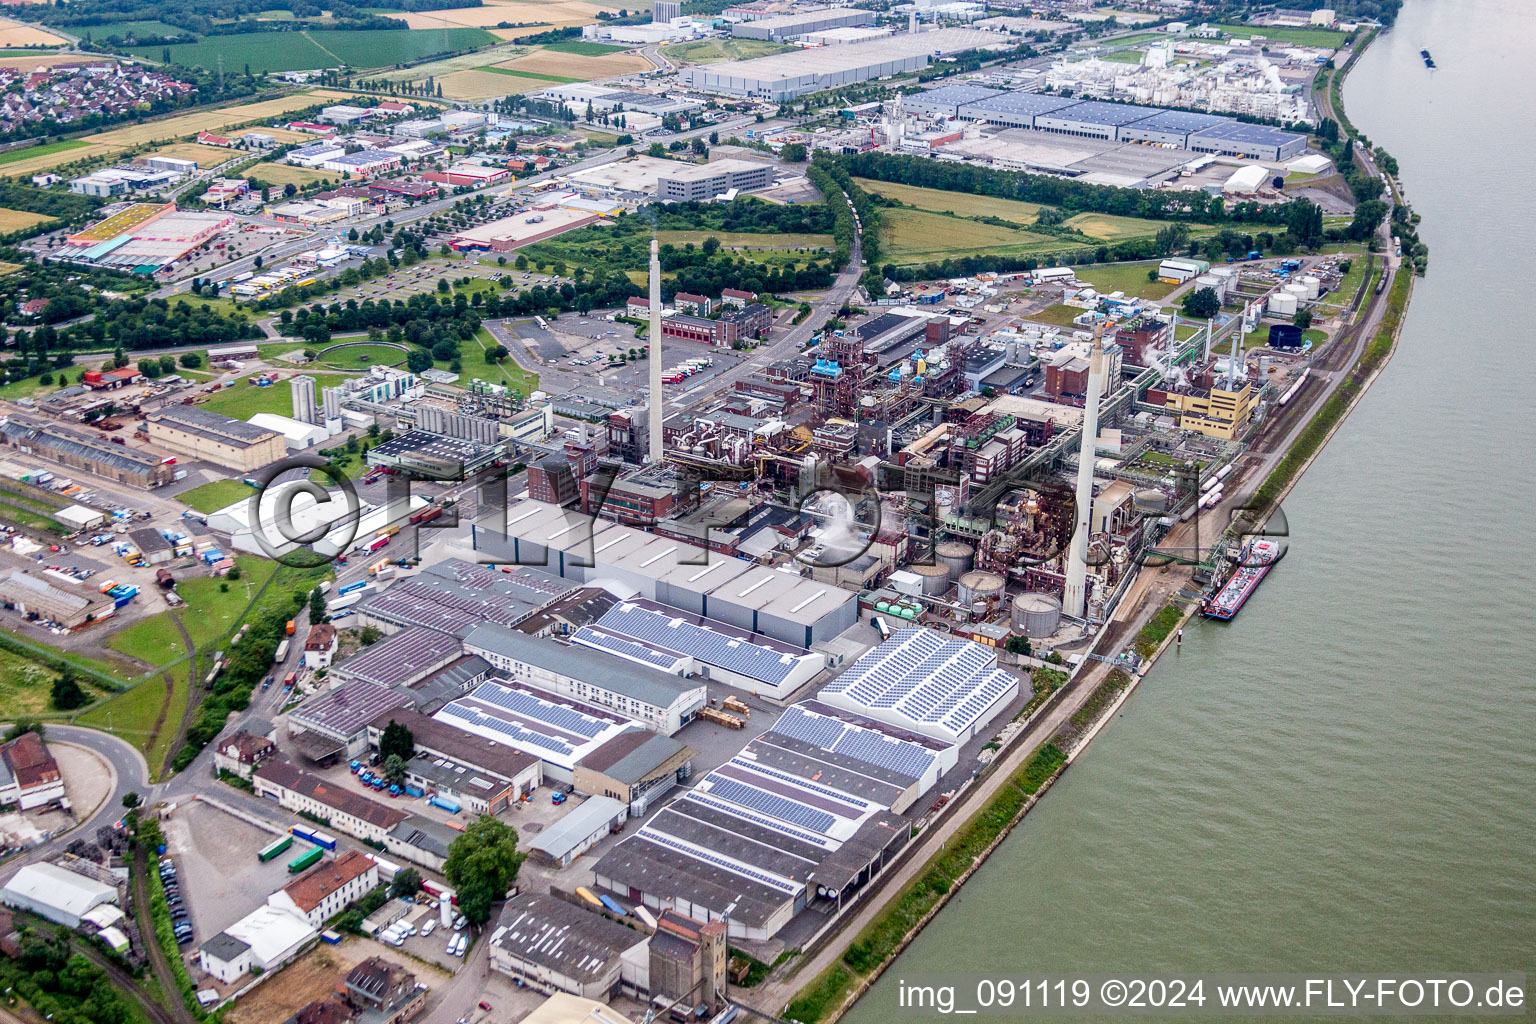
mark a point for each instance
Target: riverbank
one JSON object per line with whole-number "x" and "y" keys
{"x": 883, "y": 931}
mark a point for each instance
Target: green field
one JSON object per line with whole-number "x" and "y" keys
{"x": 245, "y": 400}
{"x": 537, "y": 76}
{"x": 1061, "y": 316}
{"x": 125, "y": 29}
{"x": 1130, "y": 278}
{"x": 25, "y": 686}
{"x": 584, "y": 49}
{"x": 706, "y": 51}
{"x": 132, "y": 715}
{"x": 472, "y": 356}
{"x": 303, "y": 51}
{"x": 211, "y": 497}
{"x": 28, "y": 152}
{"x": 1295, "y": 36}
{"x": 917, "y": 236}
{"x": 1124, "y": 56}
{"x": 962, "y": 204}
{"x": 211, "y": 611}
{"x": 155, "y": 641}
{"x": 361, "y": 357}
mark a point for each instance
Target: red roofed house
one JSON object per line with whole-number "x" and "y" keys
{"x": 690, "y": 303}
{"x": 395, "y": 107}
{"x": 210, "y": 139}
{"x": 736, "y": 297}
{"x": 346, "y": 810}
{"x": 243, "y": 753}
{"x": 328, "y": 888}
{"x": 111, "y": 380}
{"x": 29, "y": 776}
{"x": 320, "y": 645}
{"x": 636, "y": 306}
{"x": 310, "y": 127}
{"x": 32, "y": 307}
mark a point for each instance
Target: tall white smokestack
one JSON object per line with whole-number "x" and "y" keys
{"x": 655, "y": 353}
{"x": 1074, "y": 601}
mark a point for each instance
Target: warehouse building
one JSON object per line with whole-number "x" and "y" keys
{"x": 201, "y": 434}
{"x": 787, "y": 76}
{"x": 90, "y": 452}
{"x": 560, "y": 732}
{"x": 635, "y": 768}
{"x": 406, "y": 657}
{"x": 266, "y": 938}
{"x": 555, "y": 946}
{"x": 715, "y": 650}
{"x": 697, "y": 182}
{"x": 328, "y": 888}
{"x": 455, "y": 595}
{"x": 945, "y": 101}
{"x": 337, "y": 721}
{"x": 1017, "y": 109}
{"x": 662, "y": 701}
{"x": 29, "y": 775}
{"x": 781, "y": 825}
{"x": 1171, "y": 127}
{"x": 1252, "y": 141}
{"x": 927, "y": 683}
{"x": 69, "y": 607}
{"x": 520, "y": 229}
{"x": 483, "y": 775}
{"x": 786, "y": 28}
{"x": 434, "y": 456}
{"x": 58, "y": 894}
{"x": 343, "y": 809}
{"x": 578, "y": 831}
{"x": 781, "y": 605}
{"x": 1092, "y": 120}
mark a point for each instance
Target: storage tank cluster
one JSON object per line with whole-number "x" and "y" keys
{"x": 899, "y": 609}
{"x": 1036, "y": 614}
{"x": 1283, "y": 303}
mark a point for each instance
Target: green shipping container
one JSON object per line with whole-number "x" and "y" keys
{"x": 305, "y": 860}
{"x": 274, "y": 848}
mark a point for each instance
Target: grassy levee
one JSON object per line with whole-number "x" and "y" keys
{"x": 888, "y": 933}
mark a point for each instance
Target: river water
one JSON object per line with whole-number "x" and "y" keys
{"x": 1341, "y": 779}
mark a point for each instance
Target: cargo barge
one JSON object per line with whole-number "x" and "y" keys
{"x": 1257, "y": 559}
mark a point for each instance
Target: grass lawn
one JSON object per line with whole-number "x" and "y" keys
{"x": 211, "y": 497}
{"x": 27, "y": 152}
{"x": 211, "y": 611}
{"x": 1183, "y": 332}
{"x": 361, "y": 357}
{"x": 1315, "y": 336}
{"x": 582, "y": 48}
{"x": 1061, "y": 316}
{"x": 272, "y": 349}
{"x": 1107, "y": 227}
{"x": 155, "y": 641}
{"x": 917, "y": 236}
{"x": 245, "y": 400}
{"x": 962, "y": 204}
{"x": 32, "y": 387}
{"x": 1130, "y": 278}
{"x": 1294, "y": 36}
{"x": 24, "y": 686}
{"x": 472, "y": 355}
{"x": 1124, "y": 56}
{"x": 131, "y": 715}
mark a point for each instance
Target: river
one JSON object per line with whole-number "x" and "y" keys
{"x": 1341, "y": 778}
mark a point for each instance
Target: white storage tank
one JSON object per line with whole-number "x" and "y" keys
{"x": 1313, "y": 286}
{"x": 1283, "y": 304}
{"x": 1036, "y": 614}
{"x": 1298, "y": 289}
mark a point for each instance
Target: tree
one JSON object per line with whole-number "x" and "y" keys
{"x": 191, "y": 360}
{"x": 316, "y": 605}
{"x": 394, "y": 769}
{"x": 131, "y": 800}
{"x": 369, "y": 635}
{"x": 22, "y": 725}
{"x": 1368, "y": 217}
{"x": 482, "y": 865}
{"x": 67, "y": 693}
{"x": 396, "y": 741}
{"x": 793, "y": 152}
{"x": 1303, "y": 318}
{"x": 1202, "y": 304}
{"x": 407, "y": 882}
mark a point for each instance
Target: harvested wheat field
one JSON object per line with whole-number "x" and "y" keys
{"x": 518, "y": 33}
{"x": 34, "y": 61}
{"x": 206, "y": 156}
{"x": 15, "y": 35}
{"x": 574, "y": 65}
{"x": 19, "y": 220}
{"x": 483, "y": 85}
{"x": 53, "y": 160}
{"x": 559, "y": 13}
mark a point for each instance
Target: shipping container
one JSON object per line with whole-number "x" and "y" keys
{"x": 451, "y": 806}
{"x": 314, "y": 835}
{"x": 353, "y": 587}
{"x": 426, "y": 515}
{"x": 291, "y": 627}
{"x": 305, "y": 860}
{"x": 274, "y": 848}
{"x": 280, "y": 653}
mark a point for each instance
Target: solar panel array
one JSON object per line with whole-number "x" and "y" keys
{"x": 511, "y": 730}
{"x": 737, "y": 867}
{"x": 769, "y": 803}
{"x": 705, "y": 645}
{"x": 924, "y": 678}
{"x": 400, "y": 658}
{"x": 528, "y": 706}
{"x": 849, "y": 740}
{"x": 624, "y": 648}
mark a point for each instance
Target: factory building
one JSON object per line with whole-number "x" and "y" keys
{"x": 1092, "y": 120}
{"x": 783, "y": 606}
{"x": 697, "y": 182}
{"x": 406, "y": 657}
{"x": 660, "y": 700}
{"x": 68, "y": 607}
{"x": 454, "y": 596}
{"x": 804, "y": 813}
{"x": 788, "y": 27}
{"x": 1253, "y": 141}
{"x": 434, "y": 456}
{"x": 338, "y": 719}
{"x": 201, "y": 434}
{"x": 554, "y": 946}
{"x": 56, "y": 893}
{"x": 787, "y": 76}
{"x": 1171, "y": 127}
{"x": 482, "y": 775}
{"x": 559, "y": 731}
{"x": 1016, "y": 109}
{"x": 926, "y": 683}
{"x": 636, "y": 768}
{"x": 344, "y": 809}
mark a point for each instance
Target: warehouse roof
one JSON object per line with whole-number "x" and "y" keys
{"x": 288, "y": 776}
{"x": 538, "y": 723}
{"x": 1028, "y": 103}
{"x": 564, "y": 938}
{"x": 225, "y": 947}
{"x": 68, "y": 892}
{"x": 224, "y": 429}
{"x": 399, "y": 659}
{"x": 1241, "y": 131}
{"x": 347, "y": 709}
{"x": 63, "y": 439}
{"x": 833, "y": 59}
{"x": 955, "y": 93}
{"x": 633, "y": 756}
{"x": 638, "y": 682}
{"x": 578, "y": 825}
{"x": 1097, "y": 112}
{"x": 1181, "y": 121}
{"x": 707, "y": 640}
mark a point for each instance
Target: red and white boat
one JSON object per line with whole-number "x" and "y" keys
{"x": 1257, "y": 559}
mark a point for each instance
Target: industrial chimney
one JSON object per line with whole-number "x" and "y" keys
{"x": 655, "y": 354}
{"x": 1074, "y": 601}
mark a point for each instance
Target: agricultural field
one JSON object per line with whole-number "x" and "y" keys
{"x": 1130, "y": 278}
{"x": 27, "y": 62}
{"x": 584, "y": 48}
{"x": 302, "y": 51}
{"x": 212, "y": 119}
{"x": 708, "y": 51}
{"x": 526, "y": 14}
{"x": 961, "y": 204}
{"x": 1109, "y": 228}
{"x": 206, "y": 156}
{"x": 1294, "y": 36}
{"x": 538, "y": 76}
{"x": 565, "y": 66}
{"x": 27, "y": 162}
{"x": 15, "y": 35}
{"x": 917, "y": 236}
{"x": 47, "y": 149}
{"x": 129, "y": 29}
{"x": 20, "y": 220}
{"x": 485, "y": 84}
{"x": 286, "y": 174}
{"x": 746, "y": 239}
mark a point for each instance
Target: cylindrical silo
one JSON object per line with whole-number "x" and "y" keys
{"x": 956, "y": 555}
{"x": 935, "y": 578}
{"x": 1283, "y": 304}
{"x": 1036, "y": 614}
{"x": 981, "y": 588}
{"x": 1313, "y": 285}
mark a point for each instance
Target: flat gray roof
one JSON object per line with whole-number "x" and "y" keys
{"x": 565, "y": 938}
{"x": 1030, "y": 103}
{"x": 647, "y": 685}
{"x": 1181, "y": 121}
{"x": 1241, "y": 131}
{"x": 348, "y": 709}
{"x": 956, "y": 93}
{"x": 1097, "y": 112}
